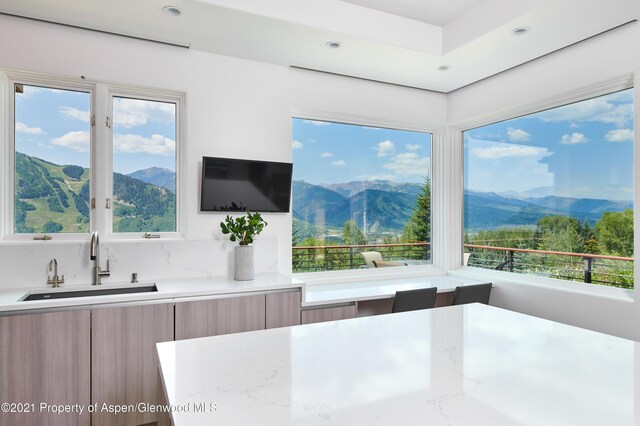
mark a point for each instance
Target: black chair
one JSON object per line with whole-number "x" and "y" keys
{"x": 472, "y": 293}
{"x": 412, "y": 300}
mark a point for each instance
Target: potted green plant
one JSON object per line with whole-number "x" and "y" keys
{"x": 242, "y": 230}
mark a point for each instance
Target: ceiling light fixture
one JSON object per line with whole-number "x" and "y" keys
{"x": 444, "y": 67}
{"x": 520, "y": 31}
{"x": 172, "y": 10}
{"x": 333, "y": 44}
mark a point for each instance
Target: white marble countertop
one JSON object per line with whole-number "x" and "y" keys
{"x": 11, "y": 300}
{"x": 459, "y": 365}
{"x": 322, "y": 294}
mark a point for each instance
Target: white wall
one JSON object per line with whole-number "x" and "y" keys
{"x": 239, "y": 108}
{"x": 235, "y": 108}
{"x": 605, "y": 57}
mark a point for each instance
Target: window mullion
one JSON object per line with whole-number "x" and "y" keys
{"x": 6, "y": 147}
{"x": 101, "y": 161}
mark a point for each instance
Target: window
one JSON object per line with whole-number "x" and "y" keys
{"x": 144, "y": 165}
{"x": 551, "y": 193}
{"x": 51, "y": 160}
{"x": 359, "y": 192}
{"x": 73, "y": 170}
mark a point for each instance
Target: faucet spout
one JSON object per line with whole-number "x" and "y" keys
{"x": 94, "y": 246}
{"x": 94, "y": 255}
{"x": 56, "y": 280}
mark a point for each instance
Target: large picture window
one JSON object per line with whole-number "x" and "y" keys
{"x": 551, "y": 193}
{"x": 361, "y": 196}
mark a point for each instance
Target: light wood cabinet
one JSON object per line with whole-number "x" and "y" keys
{"x": 46, "y": 359}
{"x": 333, "y": 313}
{"x": 124, "y": 361}
{"x": 283, "y": 309}
{"x": 220, "y": 316}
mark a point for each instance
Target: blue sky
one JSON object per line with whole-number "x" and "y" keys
{"x": 582, "y": 150}
{"x": 54, "y": 125}
{"x": 325, "y": 152}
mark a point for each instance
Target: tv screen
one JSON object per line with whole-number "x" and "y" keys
{"x": 245, "y": 185}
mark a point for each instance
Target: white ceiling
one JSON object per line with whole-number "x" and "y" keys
{"x": 379, "y": 40}
{"x": 434, "y": 12}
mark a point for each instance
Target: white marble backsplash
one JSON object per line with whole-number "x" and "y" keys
{"x": 26, "y": 264}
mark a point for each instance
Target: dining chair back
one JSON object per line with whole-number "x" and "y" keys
{"x": 472, "y": 293}
{"x": 412, "y": 300}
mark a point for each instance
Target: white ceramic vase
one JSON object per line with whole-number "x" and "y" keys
{"x": 243, "y": 269}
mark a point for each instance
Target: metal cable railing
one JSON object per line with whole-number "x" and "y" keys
{"x": 606, "y": 270}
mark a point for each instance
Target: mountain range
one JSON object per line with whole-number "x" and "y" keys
{"x": 158, "y": 176}
{"x": 390, "y": 205}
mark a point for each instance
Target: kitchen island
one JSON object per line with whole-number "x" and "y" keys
{"x": 458, "y": 365}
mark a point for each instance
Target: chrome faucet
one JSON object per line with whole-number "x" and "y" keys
{"x": 94, "y": 254}
{"x": 56, "y": 280}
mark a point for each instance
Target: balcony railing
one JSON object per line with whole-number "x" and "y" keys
{"x": 599, "y": 269}
{"x": 341, "y": 257}
{"x": 607, "y": 270}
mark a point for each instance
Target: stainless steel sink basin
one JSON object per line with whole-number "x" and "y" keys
{"x": 86, "y": 293}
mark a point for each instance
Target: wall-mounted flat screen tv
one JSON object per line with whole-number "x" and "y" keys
{"x": 245, "y": 185}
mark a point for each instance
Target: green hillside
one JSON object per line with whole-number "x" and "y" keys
{"x": 48, "y": 199}
{"x": 53, "y": 198}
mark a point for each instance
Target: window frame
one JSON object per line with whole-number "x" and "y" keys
{"x": 8, "y": 149}
{"x": 178, "y": 98}
{"x": 437, "y": 248}
{"x": 100, "y": 151}
{"x": 602, "y": 88}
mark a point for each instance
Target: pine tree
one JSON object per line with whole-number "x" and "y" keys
{"x": 420, "y": 222}
{"x": 418, "y": 228}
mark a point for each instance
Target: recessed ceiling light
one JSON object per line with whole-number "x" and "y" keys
{"x": 172, "y": 10}
{"x": 444, "y": 67}
{"x": 520, "y": 31}
{"x": 333, "y": 44}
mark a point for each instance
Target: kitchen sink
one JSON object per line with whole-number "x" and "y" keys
{"x": 87, "y": 293}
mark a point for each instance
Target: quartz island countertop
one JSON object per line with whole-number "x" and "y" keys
{"x": 458, "y": 365}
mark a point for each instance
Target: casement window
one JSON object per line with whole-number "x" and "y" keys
{"x": 83, "y": 156}
{"x": 361, "y": 196}
{"x": 551, "y": 193}
{"x": 144, "y": 165}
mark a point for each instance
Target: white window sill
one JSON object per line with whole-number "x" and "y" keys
{"x": 550, "y": 283}
{"x": 369, "y": 274}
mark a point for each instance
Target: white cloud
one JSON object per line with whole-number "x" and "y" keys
{"x": 78, "y": 141}
{"x": 296, "y": 144}
{"x": 413, "y": 147}
{"x": 130, "y": 113}
{"x": 409, "y": 164}
{"x": 597, "y": 109}
{"x": 75, "y": 114}
{"x": 316, "y": 123}
{"x": 326, "y": 155}
{"x": 23, "y": 128}
{"x": 517, "y": 135}
{"x": 507, "y": 150}
{"x": 339, "y": 163}
{"x": 28, "y": 92}
{"x": 619, "y": 135}
{"x": 573, "y": 139}
{"x": 156, "y": 144}
{"x": 385, "y": 148}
